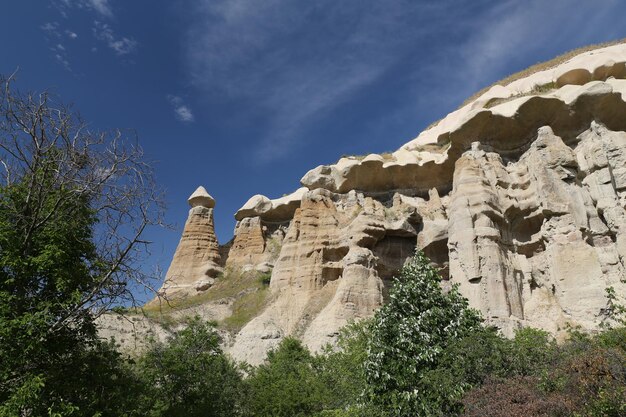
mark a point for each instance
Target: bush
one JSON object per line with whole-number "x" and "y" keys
{"x": 473, "y": 358}
{"x": 531, "y": 350}
{"x": 342, "y": 368}
{"x": 265, "y": 279}
{"x": 286, "y": 384}
{"x": 584, "y": 376}
{"x": 514, "y": 397}
{"x": 190, "y": 376}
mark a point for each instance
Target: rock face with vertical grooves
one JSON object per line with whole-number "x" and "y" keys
{"x": 196, "y": 262}
{"x": 519, "y": 197}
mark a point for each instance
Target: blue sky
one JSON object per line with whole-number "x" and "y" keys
{"x": 245, "y": 96}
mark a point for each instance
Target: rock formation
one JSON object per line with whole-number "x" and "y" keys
{"x": 196, "y": 262}
{"x": 519, "y": 197}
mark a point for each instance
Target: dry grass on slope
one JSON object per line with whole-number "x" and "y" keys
{"x": 246, "y": 292}
{"x": 542, "y": 66}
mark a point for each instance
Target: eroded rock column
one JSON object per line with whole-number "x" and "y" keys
{"x": 196, "y": 262}
{"x": 478, "y": 260}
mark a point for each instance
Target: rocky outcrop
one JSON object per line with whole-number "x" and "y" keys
{"x": 130, "y": 333}
{"x": 196, "y": 262}
{"x": 518, "y": 197}
{"x": 327, "y": 273}
{"x": 278, "y": 210}
{"x": 261, "y": 227}
{"x": 528, "y": 242}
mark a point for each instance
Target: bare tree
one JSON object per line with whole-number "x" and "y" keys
{"x": 47, "y": 144}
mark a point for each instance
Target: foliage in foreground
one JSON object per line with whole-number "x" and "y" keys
{"x": 423, "y": 354}
{"x": 189, "y": 375}
{"x": 481, "y": 374}
{"x": 457, "y": 366}
{"x": 409, "y": 335}
{"x": 73, "y": 206}
{"x": 584, "y": 377}
{"x": 287, "y": 384}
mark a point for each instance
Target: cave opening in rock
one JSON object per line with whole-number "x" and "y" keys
{"x": 392, "y": 253}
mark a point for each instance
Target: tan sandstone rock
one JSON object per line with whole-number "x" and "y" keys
{"x": 196, "y": 262}
{"x": 518, "y": 196}
{"x": 521, "y": 203}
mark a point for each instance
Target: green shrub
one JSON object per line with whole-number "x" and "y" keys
{"x": 190, "y": 376}
{"x": 531, "y": 350}
{"x": 342, "y": 368}
{"x": 265, "y": 279}
{"x": 286, "y": 384}
{"x": 586, "y": 376}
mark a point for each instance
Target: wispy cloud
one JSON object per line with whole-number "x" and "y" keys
{"x": 506, "y": 37}
{"x": 63, "y": 61}
{"x": 312, "y": 58}
{"x": 51, "y": 28}
{"x": 101, "y": 6}
{"x": 57, "y": 33}
{"x": 54, "y": 38}
{"x": 181, "y": 110}
{"x": 515, "y": 28}
{"x": 120, "y": 45}
{"x": 296, "y": 62}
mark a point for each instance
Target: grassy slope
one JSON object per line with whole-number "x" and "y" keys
{"x": 247, "y": 291}
{"x": 542, "y": 66}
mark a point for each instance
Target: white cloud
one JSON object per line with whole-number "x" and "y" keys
{"x": 184, "y": 113}
{"x": 56, "y": 33}
{"x": 101, "y": 6}
{"x": 63, "y": 61}
{"x": 54, "y": 39}
{"x": 121, "y": 46}
{"x": 513, "y": 31}
{"x": 51, "y": 28}
{"x": 181, "y": 110}
{"x": 296, "y": 62}
{"x": 294, "y": 70}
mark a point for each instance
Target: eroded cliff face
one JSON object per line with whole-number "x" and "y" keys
{"x": 529, "y": 240}
{"x": 519, "y": 197}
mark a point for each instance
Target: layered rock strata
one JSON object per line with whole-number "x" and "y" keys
{"x": 519, "y": 197}
{"x": 196, "y": 262}
{"x": 338, "y": 252}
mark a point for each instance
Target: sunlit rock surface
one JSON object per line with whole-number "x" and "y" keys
{"x": 518, "y": 197}
{"x": 196, "y": 262}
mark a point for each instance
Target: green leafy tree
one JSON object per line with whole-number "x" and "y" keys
{"x": 190, "y": 375}
{"x": 341, "y": 368}
{"x": 409, "y": 335}
{"x": 73, "y": 206}
{"x": 287, "y": 383}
